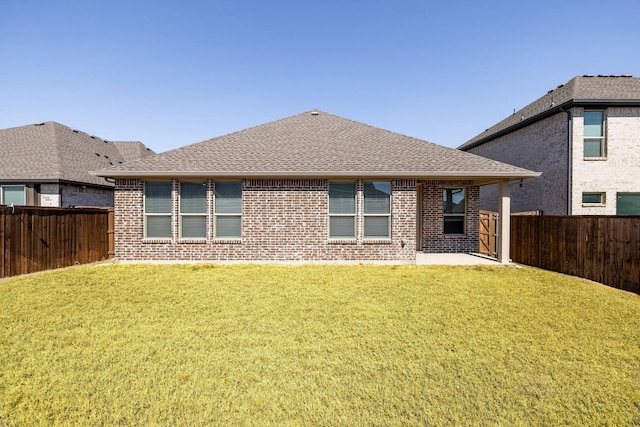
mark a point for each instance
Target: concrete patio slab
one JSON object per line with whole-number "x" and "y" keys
{"x": 455, "y": 259}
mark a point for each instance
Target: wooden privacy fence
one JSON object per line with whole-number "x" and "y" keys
{"x": 35, "y": 238}
{"x": 605, "y": 249}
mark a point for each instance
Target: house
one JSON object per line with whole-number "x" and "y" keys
{"x": 584, "y": 136}
{"x": 311, "y": 187}
{"x": 48, "y": 164}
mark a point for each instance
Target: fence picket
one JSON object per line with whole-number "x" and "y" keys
{"x": 605, "y": 249}
{"x": 36, "y": 238}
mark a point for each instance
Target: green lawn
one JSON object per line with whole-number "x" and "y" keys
{"x": 316, "y": 345}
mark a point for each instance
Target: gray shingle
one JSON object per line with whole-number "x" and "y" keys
{"x": 582, "y": 90}
{"x": 54, "y": 152}
{"x": 315, "y": 144}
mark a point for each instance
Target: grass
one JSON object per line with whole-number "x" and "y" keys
{"x": 316, "y": 345}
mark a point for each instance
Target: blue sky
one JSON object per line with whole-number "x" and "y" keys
{"x": 171, "y": 73}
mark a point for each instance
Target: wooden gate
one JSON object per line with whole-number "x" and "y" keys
{"x": 488, "y": 233}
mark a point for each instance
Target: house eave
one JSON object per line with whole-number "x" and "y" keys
{"x": 585, "y": 103}
{"x": 476, "y": 176}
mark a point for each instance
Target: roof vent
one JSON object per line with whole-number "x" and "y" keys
{"x": 315, "y": 113}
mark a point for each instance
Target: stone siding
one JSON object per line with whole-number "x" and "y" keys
{"x": 541, "y": 147}
{"x": 618, "y": 172}
{"x": 76, "y": 195}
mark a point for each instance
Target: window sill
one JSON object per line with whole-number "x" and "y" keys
{"x": 231, "y": 241}
{"x": 594, "y": 159}
{"x": 454, "y": 235}
{"x": 378, "y": 241}
{"x": 156, "y": 240}
{"x": 342, "y": 241}
{"x": 593, "y": 205}
{"x": 193, "y": 240}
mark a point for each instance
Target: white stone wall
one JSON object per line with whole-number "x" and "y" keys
{"x": 618, "y": 172}
{"x": 541, "y": 147}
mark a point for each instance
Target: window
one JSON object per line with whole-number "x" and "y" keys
{"x": 628, "y": 204}
{"x": 593, "y": 198}
{"x": 377, "y": 210}
{"x": 454, "y": 210}
{"x": 594, "y": 134}
{"x": 342, "y": 210}
{"x": 12, "y": 194}
{"x": 228, "y": 209}
{"x": 157, "y": 209}
{"x": 193, "y": 210}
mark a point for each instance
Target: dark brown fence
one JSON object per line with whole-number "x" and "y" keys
{"x": 605, "y": 249}
{"x": 35, "y": 238}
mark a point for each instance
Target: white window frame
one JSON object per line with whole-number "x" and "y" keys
{"x": 602, "y": 202}
{"x": 449, "y": 215}
{"x": 353, "y": 215}
{"x": 602, "y": 139}
{"x": 217, "y": 214}
{"x": 182, "y": 215}
{"x": 157, "y": 214}
{"x": 366, "y": 215}
{"x": 24, "y": 194}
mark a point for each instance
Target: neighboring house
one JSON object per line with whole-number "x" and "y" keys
{"x": 311, "y": 187}
{"x": 48, "y": 164}
{"x": 584, "y": 136}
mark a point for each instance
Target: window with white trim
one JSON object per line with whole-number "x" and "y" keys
{"x": 157, "y": 209}
{"x": 593, "y": 199}
{"x": 228, "y": 209}
{"x": 193, "y": 210}
{"x": 594, "y": 134}
{"x": 377, "y": 210}
{"x": 454, "y": 210}
{"x": 342, "y": 210}
{"x": 13, "y": 194}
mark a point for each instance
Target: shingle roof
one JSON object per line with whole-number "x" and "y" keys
{"x": 316, "y": 144}
{"x": 132, "y": 150}
{"x": 596, "y": 91}
{"x": 54, "y": 152}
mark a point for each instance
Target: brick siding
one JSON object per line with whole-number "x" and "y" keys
{"x": 287, "y": 220}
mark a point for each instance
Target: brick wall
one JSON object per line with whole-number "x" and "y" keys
{"x": 433, "y": 237}
{"x": 287, "y": 220}
{"x": 541, "y": 147}
{"x": 76, "y": 195}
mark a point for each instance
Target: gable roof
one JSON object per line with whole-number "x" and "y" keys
{"x": 51, "y": 152}
{"x": 320, "y": 145}
{"x": 581, "y": 91}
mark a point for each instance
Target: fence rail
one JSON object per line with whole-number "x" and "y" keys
{"x": 605, "y": 249}
{"x": 36, "y": 238}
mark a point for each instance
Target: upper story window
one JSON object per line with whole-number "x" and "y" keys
{"x": 193, "y": 210}
{"x": 342, "y": 210}
{"x": 157, "y": 209}
{"x": 228, "y": 209}
{"x": 594, "y": 134}
{"x": 377, "y": 210}
{"x": 13, "y": 194}
{"x": 454, "y": 210}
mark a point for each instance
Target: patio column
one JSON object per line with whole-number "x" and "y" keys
{"x": 504, "y": 216}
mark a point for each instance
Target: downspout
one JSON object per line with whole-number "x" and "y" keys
{"x": 569, "y": 159}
